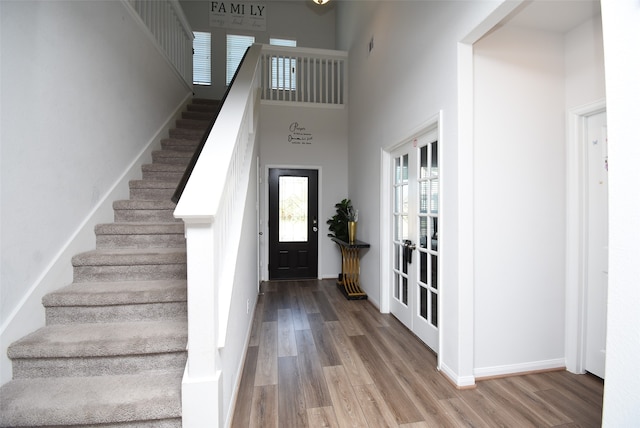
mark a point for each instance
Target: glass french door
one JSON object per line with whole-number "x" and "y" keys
{"x": 416, "y": 199}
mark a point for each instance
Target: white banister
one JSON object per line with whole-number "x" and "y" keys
{"x": 304, "y": 75}
{"x": 168, "y": 27}
{"x": 212, "y": 206}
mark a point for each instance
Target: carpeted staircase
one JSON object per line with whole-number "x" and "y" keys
{"x": 114, "y": 348}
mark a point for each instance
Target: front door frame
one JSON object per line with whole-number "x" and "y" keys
{"x": 576, "y": 258}
{"x": 264, "y": 215}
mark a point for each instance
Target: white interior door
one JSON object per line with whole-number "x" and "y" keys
{"x": 597, "y": 243}
{"x": 415, "y": 193}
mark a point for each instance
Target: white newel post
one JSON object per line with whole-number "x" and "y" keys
{"x": 201, "y": 382}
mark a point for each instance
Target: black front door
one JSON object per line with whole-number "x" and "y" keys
{"x": 293, "y": 223}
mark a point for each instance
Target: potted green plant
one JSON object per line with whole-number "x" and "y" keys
{"x": 339, "y": 223}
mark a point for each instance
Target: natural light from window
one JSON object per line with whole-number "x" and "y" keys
{"x": 237, "y": 45}
{"x": 201, "y": 58}
{"x": 283, "y": 69}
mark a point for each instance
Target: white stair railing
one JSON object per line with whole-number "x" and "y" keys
{"x": 212, "y": 206}
{"x": 169, "y": 29}
{"x": 304, "y": 75}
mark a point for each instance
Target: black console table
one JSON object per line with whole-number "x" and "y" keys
{"x": 349, "y": 284}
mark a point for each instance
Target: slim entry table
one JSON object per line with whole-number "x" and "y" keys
{"x": 349, "y": 284}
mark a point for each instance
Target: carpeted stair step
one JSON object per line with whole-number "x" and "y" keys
{"x": 98, "y": 349}
{"x": 129, "y": 265}
{"x": 117, "y": 301}
{"x": 129, "y": 400}
{"x": 179, "y": 145}
{"x": 152, "y": 189}
{"x": 172, "y": 157}
{"x": 202, "y": 108}
{"x": 140, "y": 235}
{"x": 186, "y": 133}
{"x": 200, "y": 115}
{"x": 205, "y": 101}
{"x": 201, "y": 105}
{"x": 163, "y": 172}
{"x": 192, "y": 124}
{"x": 130, "y": 210}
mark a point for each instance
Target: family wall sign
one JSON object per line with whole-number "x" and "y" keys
{"x": 238, "y": 15}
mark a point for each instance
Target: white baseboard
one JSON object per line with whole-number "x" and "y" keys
{"x": 28, "y": 315}
{"x": 201, "y": 399}
{"x": 458, "y": 381}
{"x": 513, "y": 369}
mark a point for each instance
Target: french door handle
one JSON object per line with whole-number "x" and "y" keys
{"x": 408, "y": 249}
{"x": 409, "y": 245}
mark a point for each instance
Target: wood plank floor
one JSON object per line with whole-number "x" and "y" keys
{"x": 316, "y": 359}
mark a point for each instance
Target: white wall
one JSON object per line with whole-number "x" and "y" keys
{"x": 519, "y": 197}
{"x": 84, "y": 92}
{"x": 327, "y": 152}
{"x": 525, "y": 82}
{"x": 408, "y": 78}
{"x": 622, "y": 64}
{"x": 584, "y": 64}
{"x": 311, "y": 25}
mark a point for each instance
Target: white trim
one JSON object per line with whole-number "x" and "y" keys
{"x": 466, "y": 213}
{"x": 201, "y": 399}
{"x": 459, "y": 381}
{"x": 576, "y": 252}
{"x": 512, "y": 369}
{"x": 464, "y": 346}
{"x": 385, "y": 230}
{"x": 302, "y": 104}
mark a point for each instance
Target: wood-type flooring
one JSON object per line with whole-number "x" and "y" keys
{"x": 316, "y": 359}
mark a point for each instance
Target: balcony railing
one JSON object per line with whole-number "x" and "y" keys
{"x": 169, "y": 29}
{"x": 303, "y": 75}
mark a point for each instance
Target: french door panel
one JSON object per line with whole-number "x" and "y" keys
{"x": 402, "y": 278}
{"x": 415, "y": 193}
{"x": 597, "y": 241}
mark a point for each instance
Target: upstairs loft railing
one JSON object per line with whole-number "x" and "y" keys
{"x": 169, "y": 29}
{"x": 304, "y": 75}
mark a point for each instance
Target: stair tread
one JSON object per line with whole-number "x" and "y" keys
{"x": 210, "y": 101}
{"x": 163, "y": 167}
{"x": 139, "y": 228}
{"x": 172, "y": 153}
{"x": 152, "y": 184}
{"x": 102, "y": 339}
{"x": 200, "y": 115}
{"x": 142, "y": 204}
{"x": 91, "y": 400}
{"x": 186, "y": 132}
{"x": 130, "y": 256}
{"x": 118, "y": 293}
{"x": 193, "y": 124}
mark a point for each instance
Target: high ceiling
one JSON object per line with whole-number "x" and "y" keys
{"x": 554, "y": 15}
